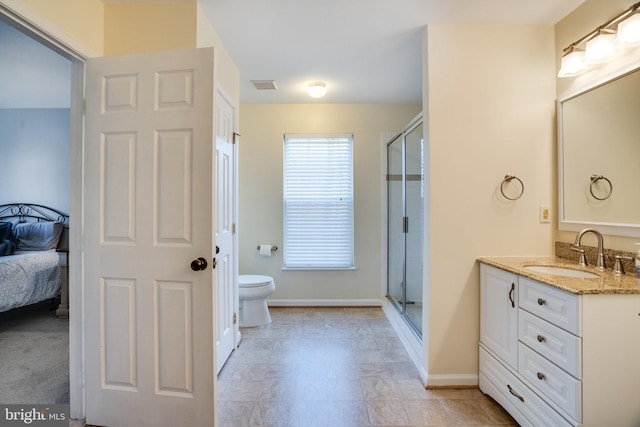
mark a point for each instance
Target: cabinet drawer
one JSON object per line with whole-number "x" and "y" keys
{"x": 561, "y": 388}
{"x": 557, "y": 345}
{"x": 510, "y": 392}
{"x": 551, "y": 304}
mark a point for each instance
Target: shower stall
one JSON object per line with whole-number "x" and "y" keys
{"x": 405, "y": 223}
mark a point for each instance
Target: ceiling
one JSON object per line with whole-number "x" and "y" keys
{"x": 366, "y": 51}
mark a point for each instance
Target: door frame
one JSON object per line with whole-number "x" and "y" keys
{"x": 236, "y": 114}
{"x": 51, "y": 36}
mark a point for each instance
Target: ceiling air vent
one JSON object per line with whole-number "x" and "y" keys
{"x": 264, "y": 84}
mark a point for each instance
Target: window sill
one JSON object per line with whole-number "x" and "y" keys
{"x": 318, "y": 268}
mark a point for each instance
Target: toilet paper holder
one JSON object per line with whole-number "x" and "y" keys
{"x": 273, "y": 248}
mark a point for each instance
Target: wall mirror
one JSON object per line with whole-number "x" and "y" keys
{"x": 599, "y": 157}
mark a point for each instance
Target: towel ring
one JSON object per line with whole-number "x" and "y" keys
{"x": 509, "y": 178}
{"x": 596, "y": 178}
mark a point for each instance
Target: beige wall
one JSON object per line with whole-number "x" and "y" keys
{"x": 262, "y": 128}
{"x": 490, "y": 92}
{"x": 120, "y": 28}
{"x": 586, "y": 18}
{"x": 149, "y": 27}
{"x": 225, "y": 70}
{"x": 78, "y": 23}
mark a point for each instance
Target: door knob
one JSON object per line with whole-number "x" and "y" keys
{"x": 198, "y": 264}
{"x": 217, "y": 249}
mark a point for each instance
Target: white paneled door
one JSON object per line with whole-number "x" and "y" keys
{"x": 225, "y": 206}
{"x": 148, "y": 197}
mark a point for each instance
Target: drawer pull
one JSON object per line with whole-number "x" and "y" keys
{"x": 541, "y": 301}
{"x": 515, "y": 394}
{"x": 540, "y": 338}
{"x": 540, "y": 376}
{"x": 513, "y": 289}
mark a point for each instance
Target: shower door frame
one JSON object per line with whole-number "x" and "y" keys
{"x": 401, "y": 308}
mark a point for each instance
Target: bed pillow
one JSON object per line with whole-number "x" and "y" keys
{"x": 6, "y": 232}
{"x": 38, "y": 236}
{"x": 7, "y": 247}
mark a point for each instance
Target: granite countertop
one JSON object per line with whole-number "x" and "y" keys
{"x": 606, "y": 283}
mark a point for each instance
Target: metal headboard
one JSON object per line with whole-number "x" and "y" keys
{"x": 25, "y": 211}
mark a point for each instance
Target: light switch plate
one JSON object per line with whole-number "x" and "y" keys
{"x": 545, "y": 214}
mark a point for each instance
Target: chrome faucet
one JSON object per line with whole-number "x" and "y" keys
{"x": 600, "y": 263}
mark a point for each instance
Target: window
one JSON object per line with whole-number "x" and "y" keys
{"x": 318, "y": 201}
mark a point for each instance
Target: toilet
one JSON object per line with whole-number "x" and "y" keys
{"x": 253, "y": 291}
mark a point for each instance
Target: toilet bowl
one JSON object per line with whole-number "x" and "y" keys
{"x": 253, "y": 291}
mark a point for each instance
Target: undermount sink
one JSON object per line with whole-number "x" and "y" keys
{"x": 562, "y": 271}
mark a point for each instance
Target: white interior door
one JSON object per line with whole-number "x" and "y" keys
{"x": 148, "y": 214}
{"x": 225, "y": 202}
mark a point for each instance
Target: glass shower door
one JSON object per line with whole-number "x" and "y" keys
{"x": 405, "y": 226}
{"x": 395, "y": 214}
{"x": 414, "y": 232}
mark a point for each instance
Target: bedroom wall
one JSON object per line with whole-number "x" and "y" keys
{"x": 260, "y": 199}
{"x": 34, "y": 166}
{"x": 78, "y": 23}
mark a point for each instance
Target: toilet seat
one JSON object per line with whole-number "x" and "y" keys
{"x": 253, "y": 280}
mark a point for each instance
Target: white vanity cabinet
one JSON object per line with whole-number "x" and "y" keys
{"x": 499, "y": 305}
{"x": 555, "y": 358}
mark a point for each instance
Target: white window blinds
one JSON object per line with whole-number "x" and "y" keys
{"x": 318, "y": 201}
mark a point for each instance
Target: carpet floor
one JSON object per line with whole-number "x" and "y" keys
{"x": 34, "y": 356}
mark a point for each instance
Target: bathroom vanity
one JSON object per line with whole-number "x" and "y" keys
{"x": 557, "y": 350}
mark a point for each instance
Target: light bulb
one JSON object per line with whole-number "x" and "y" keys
{"x": 629, "y": 30}
{"x": 600, "y": 48}
{"x": 572, "y": 63}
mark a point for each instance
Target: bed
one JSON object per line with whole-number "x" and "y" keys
{"x": 34, "y": 250}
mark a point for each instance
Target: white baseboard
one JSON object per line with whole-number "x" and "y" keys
{"x": 324, "y": 303}
{"x": 452, "y": 380}
{"x": 407, "y": 336}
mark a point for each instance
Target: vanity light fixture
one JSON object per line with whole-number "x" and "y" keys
{"x": 317, "y": 89}
{"x": 573, "y": 62}
{"x": 629, "y": 30}
{"x": 600, "y": 47}
{"x": 602, "y": 44}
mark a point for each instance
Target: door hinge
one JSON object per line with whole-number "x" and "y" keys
{"x": 405, "y": 224}
{"x": 233, "y": 228}
{"x": 236, "y": 135}
{"x": 234, "y": 318}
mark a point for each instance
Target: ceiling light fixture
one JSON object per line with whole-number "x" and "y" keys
{"x": 601, "y": 44}
{"x": 317, "y": 89}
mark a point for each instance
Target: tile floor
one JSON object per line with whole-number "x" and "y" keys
{"x": 335, "y": 367}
